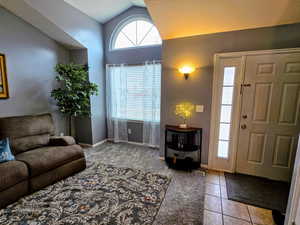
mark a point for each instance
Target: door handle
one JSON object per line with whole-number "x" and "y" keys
{"x": 244, "y": 126}
{"x": 246, "y": 85}
{"x": 242, "y": 87}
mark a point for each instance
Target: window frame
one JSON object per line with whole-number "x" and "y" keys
{"x": 119, "y": 28}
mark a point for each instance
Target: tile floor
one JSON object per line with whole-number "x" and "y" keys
{"x": 218, "y": 210}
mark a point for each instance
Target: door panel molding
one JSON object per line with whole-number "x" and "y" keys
{"x": 256, "y": 148}
{"x": 291, "y": 101}
{"x": 292, "y": 68}
{"x": 278, "y": 159}
{"x": 266, "y": 69}
{"x": 261, "y": 114}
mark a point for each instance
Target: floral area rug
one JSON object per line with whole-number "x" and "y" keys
{"x": 101, "y": 194}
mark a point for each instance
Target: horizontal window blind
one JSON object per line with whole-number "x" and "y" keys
{"x": 143, "y": 85}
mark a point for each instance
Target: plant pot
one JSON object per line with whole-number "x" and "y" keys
{"x": 184, "y": 125}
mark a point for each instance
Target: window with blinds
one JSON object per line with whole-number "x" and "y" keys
{"x": 143, "y": 93}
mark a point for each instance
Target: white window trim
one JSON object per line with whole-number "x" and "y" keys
{"x": 121, "y": 25}
{"x": 216, "y": 162}
{"x": 229, "y": 165}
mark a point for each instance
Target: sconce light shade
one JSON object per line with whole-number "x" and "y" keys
{"x": 186, "y": 70}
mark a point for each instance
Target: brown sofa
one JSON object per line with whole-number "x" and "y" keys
{"x": 41, "y": 157}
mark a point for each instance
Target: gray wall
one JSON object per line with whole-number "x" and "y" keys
{"x": 87, "y": 32}
{"x": 129, "y": 56}
{"x": 31, "y": 57}
{"x": 199, "y": 51}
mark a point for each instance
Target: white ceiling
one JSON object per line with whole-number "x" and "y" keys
{"x": 104, "y": 10}
{"x": 182, "y": 18}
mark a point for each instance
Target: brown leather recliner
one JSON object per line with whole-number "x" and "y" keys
{"x": 41, "y": 157}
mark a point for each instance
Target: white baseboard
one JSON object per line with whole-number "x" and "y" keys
{"x": 94, "y": 145}
{"x": 84, "y": 145}
{"x": 129, "y": 142}
{"x": 134, "y": 143}
{"x": 100, "y": 143}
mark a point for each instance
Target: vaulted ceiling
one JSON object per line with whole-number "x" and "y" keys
{"x": 173, "y": 18}
{"x": 182, "y": 18}
{"x": 104, "y": 10}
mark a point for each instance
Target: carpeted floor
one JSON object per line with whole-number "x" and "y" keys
{"x": 100, "y": 195}
{"x": 257, "y": 191}
{"x": 184, "y": 200}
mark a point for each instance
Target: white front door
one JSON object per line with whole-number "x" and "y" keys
{"x": 270, "y": 117}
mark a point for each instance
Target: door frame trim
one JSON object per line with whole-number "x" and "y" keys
{"x": 293, "y": 206}
{"x": 215, "y": 107}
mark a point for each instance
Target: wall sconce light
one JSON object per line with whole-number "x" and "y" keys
{"x": 186, "y": 71}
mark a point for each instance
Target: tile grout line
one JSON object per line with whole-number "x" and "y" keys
{"x": 221, "y": 199}
{"x": 249, "y": 215}
{"x": 222, "y": 214}
{"x": 228, "y": 199}
{"x": 212, "y": 195}
{"x": 237, "y": 218}
{"x": 241, "y": 219}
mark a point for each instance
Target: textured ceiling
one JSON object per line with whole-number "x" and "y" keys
{"x": 182, "y": 18}
{"x": 104, "y": 10}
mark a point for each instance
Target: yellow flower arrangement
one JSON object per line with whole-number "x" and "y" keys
{"x": 184, "y": 110}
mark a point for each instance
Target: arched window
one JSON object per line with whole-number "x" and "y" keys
{"x": 136, "y": 32}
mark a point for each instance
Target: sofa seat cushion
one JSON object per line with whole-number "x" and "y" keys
{"x": 44, "y": 159}
{"x": 12, "y": 173}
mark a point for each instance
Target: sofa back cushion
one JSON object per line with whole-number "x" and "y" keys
{"x": 23, "y": 144}
{"x": 27, "y": 132}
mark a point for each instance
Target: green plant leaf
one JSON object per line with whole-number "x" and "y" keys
{"x": 73, "y": 95}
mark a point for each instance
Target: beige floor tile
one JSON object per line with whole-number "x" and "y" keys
{"x": 212, "y": 203}
{"x": 261, "y": 216}
{"x": 222, "y": 181}
{"x": 224, "y": 192}
{"x": 233, "y": 221}
{"x": 235, "y": 209}
{"x": 212, "y": 218}
{"x": 212, "y": 189}
{"x": 212, "y": 178}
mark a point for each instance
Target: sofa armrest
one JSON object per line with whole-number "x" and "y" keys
{"x": 61, "y": 141}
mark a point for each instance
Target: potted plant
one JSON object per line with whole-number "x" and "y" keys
{"x": 73, "y": 95}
